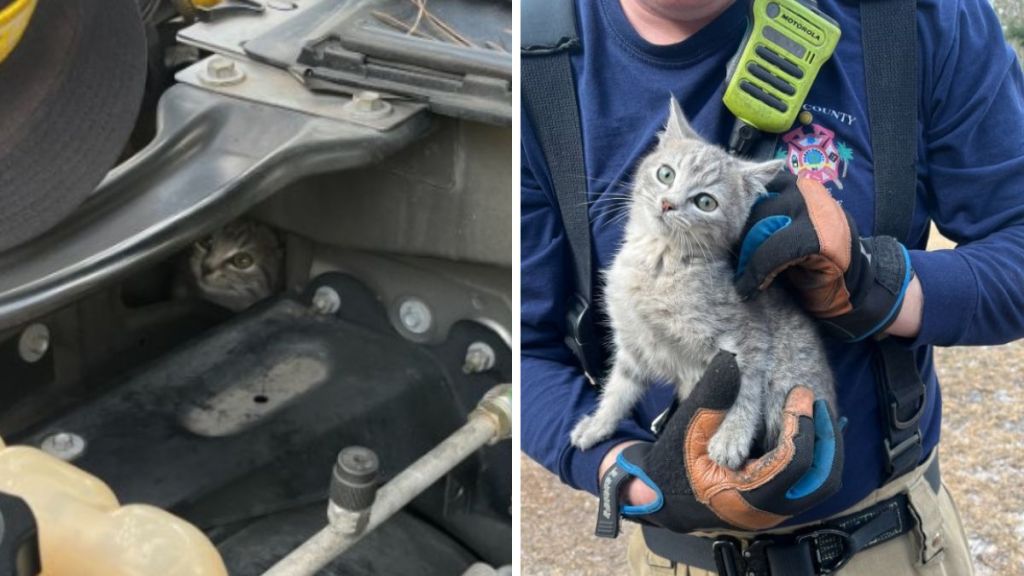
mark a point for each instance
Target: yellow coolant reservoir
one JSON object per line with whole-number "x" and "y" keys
{"x": 84, "y": 530}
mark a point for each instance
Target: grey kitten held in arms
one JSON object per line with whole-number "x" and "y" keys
{"x": 672, "y": 304}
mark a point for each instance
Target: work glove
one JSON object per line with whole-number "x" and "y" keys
{"x": 853, "y": 285}
{"x": 695, "y": 493}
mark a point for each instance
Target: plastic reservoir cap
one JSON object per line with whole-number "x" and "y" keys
{"x": 84, "y": 530}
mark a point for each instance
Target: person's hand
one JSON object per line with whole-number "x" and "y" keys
{"x": 855, "y": 286}
{"x": 634, "y": 491}
{"x": 692, "y": 492}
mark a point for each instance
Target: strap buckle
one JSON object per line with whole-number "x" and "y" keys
{"x": 895, "y": 453}
{"x": 832, "y": 549}
{"x": 894, "y": 417}
{"x": 728, "y": 560}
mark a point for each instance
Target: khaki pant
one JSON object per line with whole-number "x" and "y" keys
{"x": 945, "y": 544}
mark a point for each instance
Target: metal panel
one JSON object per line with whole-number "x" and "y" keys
{"x": 212, "y": 159}
{"x": 450, "y": 196}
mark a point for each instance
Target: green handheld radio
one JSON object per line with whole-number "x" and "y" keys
{"x": 788, "y": 43}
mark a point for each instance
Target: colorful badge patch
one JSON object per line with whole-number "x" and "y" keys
{"x": 813, "y": 152}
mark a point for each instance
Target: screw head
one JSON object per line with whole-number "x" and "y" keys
{"x": 221, "y": 68}
{"x": 64, "y": 445}
{"x": 369, "y": 104}
{"x": 221, "y": 71}
{"x": 326, "y": 300}
{"x": 34, "y": 342}
{"x": 367, "y": 101}
{"x": 415, "y": 315}
{"x": 480, "y": 357}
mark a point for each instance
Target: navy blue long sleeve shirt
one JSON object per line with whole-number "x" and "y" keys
{"x": 970, "y": 182}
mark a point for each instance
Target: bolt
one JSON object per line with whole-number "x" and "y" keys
{"x": 34, "y": 343}
{"x": 63, "y": 445}
{"x": 63, "y": 441}
{"x": 367, "y": 101}
{"x": 415, "y": 315}
{"x": 221, "y": 68}
{"x": 368, "y": 104}
{"x": 479, "y": 358}
{"x": 221, "y": 71}
{"x": 326, "y": 300}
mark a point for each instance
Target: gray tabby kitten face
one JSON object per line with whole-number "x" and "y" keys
{"x": 697, "y": 194}
{"x": 238, "y": 265}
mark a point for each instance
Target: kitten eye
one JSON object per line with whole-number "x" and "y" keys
{"x": 666, "y": 174}
{"x": 705, "y": 202}
{"x": 242, "y": 260}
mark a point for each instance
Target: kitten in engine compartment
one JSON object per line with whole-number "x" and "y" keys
{"x": 672, "y": 304}
{"x": 238, "y": 265}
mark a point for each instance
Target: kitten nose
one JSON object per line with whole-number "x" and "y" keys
{"x": 666, "y": 206}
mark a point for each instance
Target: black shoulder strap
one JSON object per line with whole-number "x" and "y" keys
{"x": 889, "y": 36}
{"x": 550, "y": 98}
{"x": 549, "y": 39}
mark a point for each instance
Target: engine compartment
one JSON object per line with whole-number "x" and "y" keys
{"x": 233, "y": 419}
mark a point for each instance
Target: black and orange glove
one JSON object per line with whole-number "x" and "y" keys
{"x": 695, "y": 493}
{"x": 853, "y": 285}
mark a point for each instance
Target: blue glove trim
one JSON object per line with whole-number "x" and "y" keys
{"x": 637, "y": 472}
{"x": 907, "y": 275}
{"x": 758, "y": 234}
{"x": 824, "y": 455}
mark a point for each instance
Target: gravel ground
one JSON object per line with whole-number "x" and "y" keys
{"x": 982, "y": 440}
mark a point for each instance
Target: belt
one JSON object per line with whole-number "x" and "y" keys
{"x": 818, "y": 549}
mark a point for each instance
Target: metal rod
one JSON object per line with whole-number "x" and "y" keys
{"x": 485, "y": 425}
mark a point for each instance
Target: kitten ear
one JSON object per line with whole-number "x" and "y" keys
{"x": 677, "y": 127}
{"x": 761, "y": 173}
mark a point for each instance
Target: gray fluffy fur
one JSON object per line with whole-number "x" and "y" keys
{"x": 672, "y": 304}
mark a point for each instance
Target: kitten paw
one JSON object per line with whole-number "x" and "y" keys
{"x": 589, "y": 431}
{"x": 729, "y": 449}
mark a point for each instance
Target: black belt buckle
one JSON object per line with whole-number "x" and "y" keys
{"x": 832, "y": 549}
{"x": 728, "y": 559}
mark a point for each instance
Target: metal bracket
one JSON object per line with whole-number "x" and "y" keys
{"x": 212, "y": 159}
{"x": 269, "y": 85}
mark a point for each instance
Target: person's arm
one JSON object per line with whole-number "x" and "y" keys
{"x": 908, "y": 321}
{"x": 555, "y": 394}
{"x": 973, "y": 108}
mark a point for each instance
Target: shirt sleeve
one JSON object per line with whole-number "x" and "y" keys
{"x": 973, "y": 122}
{"x": 555, "y": 394}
